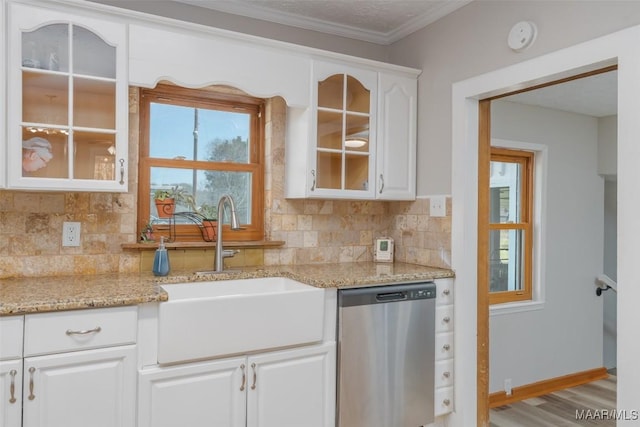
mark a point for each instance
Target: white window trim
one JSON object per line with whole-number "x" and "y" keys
{"x": 539, "y": 221}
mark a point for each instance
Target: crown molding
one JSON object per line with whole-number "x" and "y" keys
{"x": 252, "y": 10}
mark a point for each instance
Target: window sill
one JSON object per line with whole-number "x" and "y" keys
{"x": 515, "y": 307}
{"x": 200, "y": 245}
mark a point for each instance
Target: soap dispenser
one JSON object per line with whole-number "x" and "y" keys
{"x": 161, "y": 260}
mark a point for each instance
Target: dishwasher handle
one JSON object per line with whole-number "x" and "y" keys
{"x": 391, "y": 296}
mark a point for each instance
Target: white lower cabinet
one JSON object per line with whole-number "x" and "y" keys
{"x": 288, "y": 388}
{"x": 10, "y": 393}
{"x": 78, "y": 369}
{"x": 292, "y": 388}
{"x": 11, "y": 329}
{"x": 86, "y": 388}
{"x": 211, "y": 393}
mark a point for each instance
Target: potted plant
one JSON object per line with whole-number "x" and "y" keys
{"x": 146, "y": 235}
{"x": 167, "y": 199}
{"x": 165, "y": 203}
{"x": 208, "y": 215}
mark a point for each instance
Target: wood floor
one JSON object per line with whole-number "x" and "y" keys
{"x": 586, "y": 405}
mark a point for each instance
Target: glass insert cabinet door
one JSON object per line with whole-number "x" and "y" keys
{"x": 344, "y": 137}
{"x": 67, "y": 124}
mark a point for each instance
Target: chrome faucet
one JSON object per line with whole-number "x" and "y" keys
{"x": 235, "y": 225}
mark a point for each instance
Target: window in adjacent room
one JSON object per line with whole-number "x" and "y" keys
{"x": 207, "y": 144}
{"x": 510, "y": 225}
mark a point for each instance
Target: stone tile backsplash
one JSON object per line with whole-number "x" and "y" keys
{"x": 315, "y": 231}
{"x": 31, "y": 233}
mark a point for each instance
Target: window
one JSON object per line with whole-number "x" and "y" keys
{"x": 510, "y": 225}
{"x": 206, "y": 143}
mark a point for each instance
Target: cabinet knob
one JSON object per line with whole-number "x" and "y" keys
{"x": 446, "y": 319}
{"x": 446, "y": 402}
{"x": 446, "y": 374}
{"x": 446, "y": 292}
{"x": 446, "y": 347}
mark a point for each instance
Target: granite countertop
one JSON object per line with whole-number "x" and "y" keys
{"x": 42, "y": 294}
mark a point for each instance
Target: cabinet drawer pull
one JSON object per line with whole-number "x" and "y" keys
{"x": 446, "y": 347}
{"x": 244, "y": 377}
{"x": 446, "y": 374}
{"x": 313, "y": 185}
{"x": 253, "y": 367}
{"x": 31, "y": 371}
{"x": 446, "y": 292}
{"x": 84, "y": 332}
{"x": 381, "y": 183}
{"x": 121, "y": 171}
{"x": 12, "y": 387}
{"x": 446, "y": 402}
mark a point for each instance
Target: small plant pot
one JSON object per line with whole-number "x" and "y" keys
{"x": 209, "y": 229}
{"x": 166, "y": 208}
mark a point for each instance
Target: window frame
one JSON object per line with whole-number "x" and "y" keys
{"x": 526, "y": 160}
{"x": 219, "y": 98}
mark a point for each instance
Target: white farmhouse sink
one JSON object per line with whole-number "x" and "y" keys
{"x": 218, "y": 318}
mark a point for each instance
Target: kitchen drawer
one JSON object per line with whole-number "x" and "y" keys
{"x": 79, "y": 330}
{"x": 443, "y": 375}
{"x": 444, "y": 346}
{"x": 443, "y": 401}
{"x": 444, "y": 295}
{"x": 11, "y": 337}
{"x": 444, "y": 318}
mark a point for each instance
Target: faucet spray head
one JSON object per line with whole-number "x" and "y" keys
{"x": 235, "y": 224}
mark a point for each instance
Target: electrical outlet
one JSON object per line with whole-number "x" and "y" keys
{"x": 70, "y": 234}
{"x": 507, "y": 386}
{"x": 437, "y": 206}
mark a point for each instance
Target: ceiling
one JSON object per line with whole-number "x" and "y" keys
{"x": 376, "y": 21}
{"x": 595, "y": 96}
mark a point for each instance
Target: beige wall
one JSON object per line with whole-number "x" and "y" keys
{"x": 315, "y": 231}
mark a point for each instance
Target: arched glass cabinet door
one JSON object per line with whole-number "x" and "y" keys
{"x": 343, "y": 125}
{"x": 70, "y": 91}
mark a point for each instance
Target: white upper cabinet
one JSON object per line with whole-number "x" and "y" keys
{"x": 357, "y": 140}
{"x": 67, "y": 128}
{"x": 396, "y": 152}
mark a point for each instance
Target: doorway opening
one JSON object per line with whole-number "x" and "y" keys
{"x": 572, "y": 243}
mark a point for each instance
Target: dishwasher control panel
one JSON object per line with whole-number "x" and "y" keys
{"x": 422, "y": 294}
{"x": 386, "y": 294}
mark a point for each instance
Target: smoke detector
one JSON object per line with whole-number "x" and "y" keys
{"x": 522, "y": 36}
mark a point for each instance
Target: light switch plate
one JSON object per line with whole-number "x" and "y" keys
{"x": 437, "y": 206}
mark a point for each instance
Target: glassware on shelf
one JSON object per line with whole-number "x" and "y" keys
{"x": 36, "y": 153}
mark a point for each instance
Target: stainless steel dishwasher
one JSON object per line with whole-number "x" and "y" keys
{"x": 386, "y": 355}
